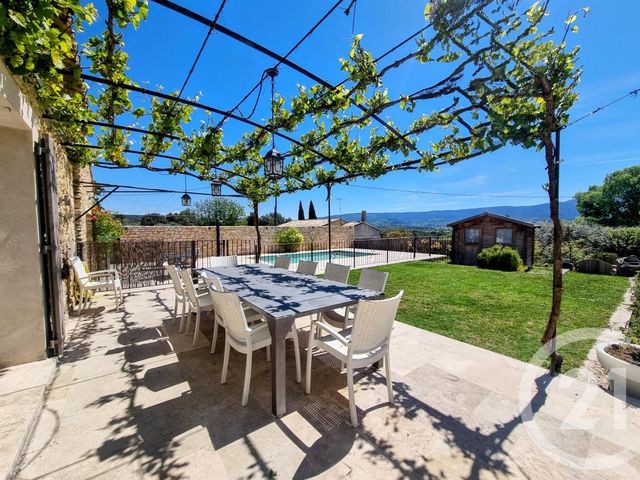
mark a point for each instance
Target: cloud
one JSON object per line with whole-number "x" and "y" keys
{"x": 475, "y": 181}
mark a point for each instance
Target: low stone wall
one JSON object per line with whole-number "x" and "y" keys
{"x": 340, "y": 235}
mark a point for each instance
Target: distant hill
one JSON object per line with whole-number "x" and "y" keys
{"x": 440, "y": 218}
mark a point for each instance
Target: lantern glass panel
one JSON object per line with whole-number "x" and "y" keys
{"x": 186, "y": 200}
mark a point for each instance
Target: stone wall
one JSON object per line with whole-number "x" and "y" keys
{"x": 340, "y": 235}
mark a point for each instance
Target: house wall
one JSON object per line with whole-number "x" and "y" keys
{"x": 339, "y": 234}
{"x": 364, "y": 230}
{"x": 22, "y": 317}
{"x": 465, "y": 254}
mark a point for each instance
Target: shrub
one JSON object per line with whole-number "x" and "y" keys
{"x": 106, "y": 228}
{"x": 632, "y": 331}
{"x": 289, "y": 239}
{"x": 500, "y": 257}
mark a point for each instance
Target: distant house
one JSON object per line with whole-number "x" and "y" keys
{"x": 363, "y": 230}
{"x": 470, "y": 235}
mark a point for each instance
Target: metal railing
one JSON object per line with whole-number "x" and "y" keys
{"x": 142, "y": 263}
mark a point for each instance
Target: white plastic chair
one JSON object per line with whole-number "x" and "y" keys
{"x": 95, "y": 280}
{"x": 180, "y": 294}
{"x": 199, "y": 301}
{"x": 370, "y": 280}
{"x": 215, "y": 285}
{"x": 359, "y": 346}
{"x": 230, "y": 261}
{"x": 244, "y": 338}
{"x": 282, "y": 262}
{"x": 336, "y": 272}
{"x": 306, "y": 267}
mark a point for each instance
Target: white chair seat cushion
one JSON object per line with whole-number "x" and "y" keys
{"x": 97, "y": 284}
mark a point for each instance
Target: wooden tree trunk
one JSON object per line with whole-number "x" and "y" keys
{"x": 258, "y": 237}
{"x": 552, "y": 157}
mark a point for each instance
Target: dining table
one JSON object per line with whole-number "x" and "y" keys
{"x": 281, "y": 296}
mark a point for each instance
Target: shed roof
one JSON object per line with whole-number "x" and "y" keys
{"x": 494, "y": 215}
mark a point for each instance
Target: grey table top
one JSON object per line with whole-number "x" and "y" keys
{"x": 279, "y": 293}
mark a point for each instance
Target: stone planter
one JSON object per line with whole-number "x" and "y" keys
{"x": 616, "y": 367}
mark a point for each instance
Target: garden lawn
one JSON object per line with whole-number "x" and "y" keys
{"x": 501, "y": 311}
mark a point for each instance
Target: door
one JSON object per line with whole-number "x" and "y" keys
{"x": 51, "y": 260}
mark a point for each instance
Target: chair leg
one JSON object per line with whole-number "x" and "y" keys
{"x": 352, "y": 399}
{"x": 115, "y": 295}
{"x": 188, "y": 326}
{"x": 296, "y": 352}
{"x": 182, "y": 315}
{"x": 307, "y": 386}
{"x": 225, "y": 361}
{"x": 175, "y": 311}
{"x": 197, "y": 331}
{"x": 247, "y": 379}
{"x": 215, "y": 335}
{"x": 387, "y": 372}
{"x": 80, "y": 300}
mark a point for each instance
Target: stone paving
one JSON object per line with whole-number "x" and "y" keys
{"x": 133, "y": 399}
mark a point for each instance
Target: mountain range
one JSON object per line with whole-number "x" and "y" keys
{"x": 440, "y": 218}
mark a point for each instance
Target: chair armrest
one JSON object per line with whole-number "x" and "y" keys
{"x": 103, "y": 273}
{"x": 332, "y": 331}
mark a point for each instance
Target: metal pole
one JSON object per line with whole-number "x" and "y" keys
{"x": 275, "y": 213}
{"x": 217, "y": 237}
{"x": 329, "y": 216}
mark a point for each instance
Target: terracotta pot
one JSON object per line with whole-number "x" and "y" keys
{"x": 632, "y": 372}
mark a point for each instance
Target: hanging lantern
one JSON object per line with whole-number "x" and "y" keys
{"x": 186, "y": 200}
{"x": 216, "y": 187}
{"x": 273, "y": 164}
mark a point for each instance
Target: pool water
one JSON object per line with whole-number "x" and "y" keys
{"x": 314, "y": 256}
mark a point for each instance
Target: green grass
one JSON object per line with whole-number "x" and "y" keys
{"x": 501, "y": 311}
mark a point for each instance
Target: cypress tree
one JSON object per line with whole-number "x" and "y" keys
{"x": 312, "y": 211}
{"x": 300, "y": 211}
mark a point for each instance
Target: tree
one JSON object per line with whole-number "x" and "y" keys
{"x": 186, "y": 217}
{"x": 615, "y": 203}
{"x": 300, "y": 211}
{"x": 151, "y": 219}
{"x": 312, "y": 211}
{"x": 267, "y": 219}
{"x": 223, "y": 210}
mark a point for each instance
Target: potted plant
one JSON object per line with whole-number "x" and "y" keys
{"x": 622, "y": 359}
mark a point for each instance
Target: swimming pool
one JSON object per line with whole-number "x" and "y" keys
{"x": 318, "y": 256}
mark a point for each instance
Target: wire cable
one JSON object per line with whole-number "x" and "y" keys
{"x": 450, "y": 194}
{"x": 632, "y": 93}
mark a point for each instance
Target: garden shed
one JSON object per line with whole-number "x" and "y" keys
{"x": 472, "y": 234}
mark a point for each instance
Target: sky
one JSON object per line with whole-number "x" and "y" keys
{"x": 163, "y": 48}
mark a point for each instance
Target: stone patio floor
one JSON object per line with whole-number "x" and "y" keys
{"x": 133, "y": 399}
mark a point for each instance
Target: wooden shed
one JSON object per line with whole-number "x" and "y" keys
{"x": 470, "y": 235}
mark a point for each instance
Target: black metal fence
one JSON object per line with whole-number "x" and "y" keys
{"x": 142, "y": 263}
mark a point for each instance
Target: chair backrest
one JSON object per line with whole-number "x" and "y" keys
{"x": 230, "y": 261}
{"x": 373, "y": 280}
{"x": 337, "y": 273}
{"x": 213, "y": 282}
{"x": 175, "y": 279}
{"x": 227, "y": 305}
{"x": 78, "y": 268}
{"x": 189, "y": 287}
{"x": 282, "y": 262}
{"x": 373, "y": 323}
{"x": 306, "y": 267}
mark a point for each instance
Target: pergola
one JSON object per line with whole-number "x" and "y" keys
{"x": 496, "y": 76}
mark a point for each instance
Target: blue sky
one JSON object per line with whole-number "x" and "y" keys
{"x": 163, "y": 48}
